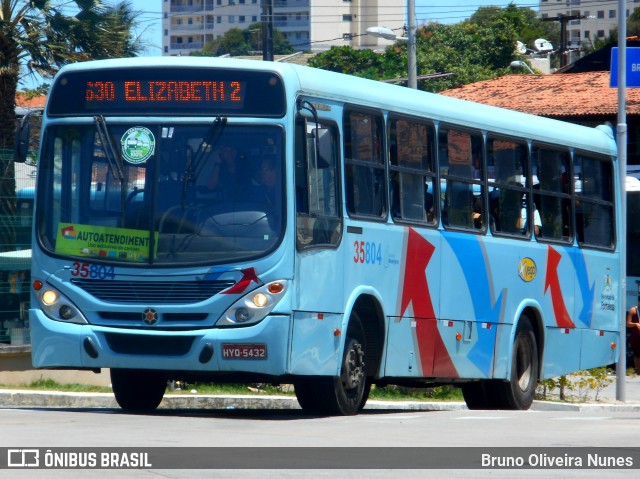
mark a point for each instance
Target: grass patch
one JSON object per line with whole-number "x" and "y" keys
{"x": 387, "y": 393}
{"x": 400, "y": 393}
{"x": 51, "y": 385}
{"x": 232, "y": 389}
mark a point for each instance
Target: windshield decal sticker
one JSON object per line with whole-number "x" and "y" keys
{"x": 138, "y": 145}
{"x": 103, "y": 242}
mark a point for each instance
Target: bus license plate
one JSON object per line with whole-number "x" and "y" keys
{"x": 244, "y": 351}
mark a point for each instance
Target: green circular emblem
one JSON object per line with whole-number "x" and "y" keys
{"x": 138, "y": 144}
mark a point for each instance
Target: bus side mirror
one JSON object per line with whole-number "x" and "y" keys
{"x": 22, "y": 142}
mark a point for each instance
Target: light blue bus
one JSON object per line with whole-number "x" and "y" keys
{"x": 237, "y": 221}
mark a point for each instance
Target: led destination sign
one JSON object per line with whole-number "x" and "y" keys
{"x": 185, "y": 91}
{"x": 190, "y": 91}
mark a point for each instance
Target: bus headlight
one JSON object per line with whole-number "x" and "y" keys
{"x": 254, "y": 306}
{"x": 57, "y": 306}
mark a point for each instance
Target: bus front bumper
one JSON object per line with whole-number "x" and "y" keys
{"x": 261, "y": 348}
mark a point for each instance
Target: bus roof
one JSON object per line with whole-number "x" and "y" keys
{"x": 350, "y": 89}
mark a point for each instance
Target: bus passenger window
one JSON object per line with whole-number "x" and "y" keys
{"x": 364, "y": 165}
{"x": 507, "y": 172}
{"x": 412, "y": 186}
{"x": 551, "y": 195}
{"x": 461, "y": 170}
{"x": 594, "y": 201}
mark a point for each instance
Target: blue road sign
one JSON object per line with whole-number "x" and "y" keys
{"x": 633, "y": 67}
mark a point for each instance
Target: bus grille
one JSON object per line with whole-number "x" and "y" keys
{"x": 152, "y": 292}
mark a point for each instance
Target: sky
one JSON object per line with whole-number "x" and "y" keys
{"x": 443, "y": 11}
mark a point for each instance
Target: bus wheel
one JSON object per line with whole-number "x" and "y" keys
{"x": 481, "y": 394}
{"x": 518, "y": 392}
{"x": 340, "y": 395}
{"x": 138, "y": 389}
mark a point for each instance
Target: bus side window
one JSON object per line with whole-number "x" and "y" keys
{"x": 551, "y": 195}
{"x": 461, "y": 170}
{"x": 507, "y": 162}
{"x": 411, "y": 156}
{"x": 364, "y": 165}
{"x": 594, "y": 201}
{"x": 318, "y": 221}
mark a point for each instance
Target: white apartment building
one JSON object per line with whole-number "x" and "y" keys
{"x": 598, "y": 18}
{"x": 308, "y": 24}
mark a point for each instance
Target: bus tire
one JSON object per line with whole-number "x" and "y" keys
{"x": 482, "y": 394}
{"x": 345, "y": 394}
{"x": 138, "y": 389}
{"x": 519, "y": 391}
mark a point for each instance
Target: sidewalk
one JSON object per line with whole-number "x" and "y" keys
{"x": 52, "y": 399}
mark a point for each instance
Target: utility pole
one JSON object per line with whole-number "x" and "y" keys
{"x": 621, "y": 139}
{"x": 412, "y": 77}
{"x": 563, "y": 19}
{"x": 267, "y": 30}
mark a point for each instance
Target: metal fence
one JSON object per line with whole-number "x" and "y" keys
{"x": 17, "y": 190}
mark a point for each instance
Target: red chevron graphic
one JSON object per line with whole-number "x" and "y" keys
{"x": 552, "y": 282}
{"x": 248, "y": 275}
{"x": 416, "y": 292}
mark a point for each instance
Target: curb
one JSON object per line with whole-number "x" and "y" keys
{"x": 53, "y": 399}
{"x": 586, "y": 407}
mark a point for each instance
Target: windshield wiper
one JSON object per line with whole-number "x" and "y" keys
{"x": 113, "y": 158}
{"x": 207, "y": 145}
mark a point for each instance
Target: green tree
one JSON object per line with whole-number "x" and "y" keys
{"x": 39, "y": 36}
{"x": 466, "y": 51}
{"x": 363, "y": 63}
{"x": 633, "y": 30}
{"x": 524, "y": 21}
{"x": 479, "y": 48}
{"x": 238, "y": 42}
{"x": 633, "y": 24}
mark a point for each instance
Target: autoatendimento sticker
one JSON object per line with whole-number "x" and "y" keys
{"x": 138, "y": 144}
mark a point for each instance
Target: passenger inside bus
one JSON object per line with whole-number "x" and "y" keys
{"x": 264, "y": 182}
{"x": 225, "y": 178}
{"x": 524, "y": 214}
{"x": 477, "y": 212}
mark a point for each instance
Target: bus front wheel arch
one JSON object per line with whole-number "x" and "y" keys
{"x": 346, "y": 393}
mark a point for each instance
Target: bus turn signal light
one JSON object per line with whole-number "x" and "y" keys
{"x": 275, "y": 288}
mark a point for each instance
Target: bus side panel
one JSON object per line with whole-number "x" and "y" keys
{"x": 318, "y": 286}
{"x": 315, "y": 348}
{"x": 469, "y": 345}
{"x": 598, "y": 348}
{"x": 530, "y": 275}
{"x": 596, "y": 306}
{"x": 470, "y": 307}
{"x": 318, "y": 312}
{"x": 597, "y": 311}
{"x": 562, "y": 352}
{"x": 403, "y": 349}
{"x": 414, "y": 340}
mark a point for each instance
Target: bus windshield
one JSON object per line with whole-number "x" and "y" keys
{"x": 161, "y": 193}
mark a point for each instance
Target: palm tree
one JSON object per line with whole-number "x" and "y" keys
{"x": 40, "y": 36}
